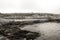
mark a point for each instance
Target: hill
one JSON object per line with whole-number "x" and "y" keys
{"x": 29, "y": 15}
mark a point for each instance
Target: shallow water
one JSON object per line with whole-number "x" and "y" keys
{"x": 49, "y": 30}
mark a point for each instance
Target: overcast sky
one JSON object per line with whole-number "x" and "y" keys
{"x": 42, "y": 6}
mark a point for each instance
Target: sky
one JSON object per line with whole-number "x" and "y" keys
{"x": 24, "y": 6}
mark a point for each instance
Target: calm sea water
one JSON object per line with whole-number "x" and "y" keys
{"x": 49, "y": 30}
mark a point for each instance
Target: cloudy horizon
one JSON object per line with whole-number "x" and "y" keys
{"x": 21, "y": 6}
